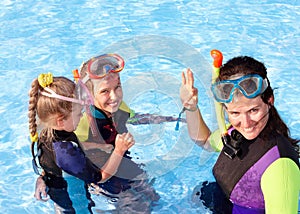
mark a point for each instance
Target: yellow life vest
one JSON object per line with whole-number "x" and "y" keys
{"x": 82, "y": 131}
{"x": 215, "y": 139}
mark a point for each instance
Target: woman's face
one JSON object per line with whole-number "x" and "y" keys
{"x": 248, "y": 116}
{"x": 108, "y": 93}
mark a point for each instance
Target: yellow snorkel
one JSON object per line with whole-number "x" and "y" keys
{"x": 229, "y": 149}
{"x": 218, "y": 57}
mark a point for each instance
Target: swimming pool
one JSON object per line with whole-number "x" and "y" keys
{"x": 157, "y": 39}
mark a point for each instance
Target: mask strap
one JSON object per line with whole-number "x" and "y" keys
{"x": 52, "y": 94}
{"x": 178, "y": 119}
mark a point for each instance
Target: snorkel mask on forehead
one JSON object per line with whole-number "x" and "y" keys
{"x": 250, "y": 85}
{"x": 98, "y": 67}
{"x": 101, "y": 65}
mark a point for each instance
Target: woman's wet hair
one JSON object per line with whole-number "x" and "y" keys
{"x": 245, "y": 65}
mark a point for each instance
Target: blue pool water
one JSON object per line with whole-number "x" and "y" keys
{"x": 157, "y": 39}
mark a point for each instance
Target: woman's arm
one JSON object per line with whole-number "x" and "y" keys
{"x": 197, "y": 127}
{"x": 280, "y": 184}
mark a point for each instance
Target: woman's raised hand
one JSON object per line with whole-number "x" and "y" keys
{"x": 188, "y": 93}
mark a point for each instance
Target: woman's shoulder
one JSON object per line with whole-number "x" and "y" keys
{"x": 286, "y": 149}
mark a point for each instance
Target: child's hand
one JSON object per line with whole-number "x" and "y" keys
{"x": 188, "y": 93}
{"x": 124, "y": 142}
{"x": 41, "y": 190}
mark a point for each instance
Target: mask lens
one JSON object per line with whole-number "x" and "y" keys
{"x": 101, "y": 65}
{"x": 250, "y": 85}
{"x": 226, "y": 90}
{"x": 222, "y": 91}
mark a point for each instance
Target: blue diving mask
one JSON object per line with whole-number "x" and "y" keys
{"x": 250, "y": 85}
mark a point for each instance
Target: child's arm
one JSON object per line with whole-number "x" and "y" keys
{"x": 123, "y": 142}
{"x": 102, "y": 146}
{"x": 41, "y": 189}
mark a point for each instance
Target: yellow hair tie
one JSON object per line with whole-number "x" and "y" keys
{"x": 34, "y": 138}
{"x": 45, "y": 79}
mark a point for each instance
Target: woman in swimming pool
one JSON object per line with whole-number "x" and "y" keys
{"x": 258, "y": 165}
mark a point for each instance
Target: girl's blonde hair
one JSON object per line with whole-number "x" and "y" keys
{"x": 47, "y": 109}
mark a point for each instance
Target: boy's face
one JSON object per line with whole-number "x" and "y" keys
{"x": 108, "y": 93}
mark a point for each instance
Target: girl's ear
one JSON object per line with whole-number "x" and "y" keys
{"x": 60, "y": 121}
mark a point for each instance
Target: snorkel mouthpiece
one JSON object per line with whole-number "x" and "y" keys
{"x": 232, "y": 147}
